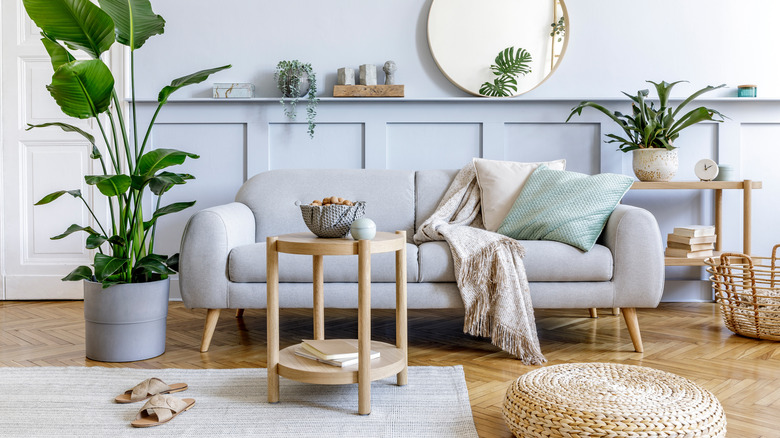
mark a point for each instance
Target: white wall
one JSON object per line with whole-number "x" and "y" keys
{"x": 615, "y": 45}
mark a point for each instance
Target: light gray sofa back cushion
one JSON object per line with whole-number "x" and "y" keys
{"x": 389, "y": 196}
{"x": 430, "y": 186}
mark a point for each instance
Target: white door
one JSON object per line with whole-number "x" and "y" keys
{"x": 34, "y": 164}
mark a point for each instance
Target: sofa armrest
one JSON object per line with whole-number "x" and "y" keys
{"x": 633, "y": 236}
{"x": 208, "y": 238}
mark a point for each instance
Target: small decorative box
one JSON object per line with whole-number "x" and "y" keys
{"x": 235, "y": 90}
{"x": 747, "y": 91}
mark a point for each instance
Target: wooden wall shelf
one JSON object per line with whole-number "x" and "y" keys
{"x": 746, "y": 186}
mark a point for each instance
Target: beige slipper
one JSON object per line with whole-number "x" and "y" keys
{"x": 161, "y": 409}
{"x": 148, "y": 388}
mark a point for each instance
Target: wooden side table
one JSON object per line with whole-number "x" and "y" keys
{"x": 393, "y": 358}
{"x": 746, "y": 186}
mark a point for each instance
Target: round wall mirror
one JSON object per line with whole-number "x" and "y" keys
{"x": 497, "y": 48}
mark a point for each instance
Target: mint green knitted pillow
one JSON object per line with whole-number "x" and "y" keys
{"x": 564, "y": 206}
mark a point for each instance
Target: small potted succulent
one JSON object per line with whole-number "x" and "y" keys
{"x": 650, "y": 132}
{"x": 295, "y": 80}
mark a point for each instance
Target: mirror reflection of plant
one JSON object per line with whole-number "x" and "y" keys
{"x": 509, "y": 64}
{"x": 84, "y": 89}
{"x": 648, "y": 127}
{"x": 288, "y": 79}
{"x": 559, "y": 29}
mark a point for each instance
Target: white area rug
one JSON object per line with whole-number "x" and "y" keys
{"x": 79, "y": 402}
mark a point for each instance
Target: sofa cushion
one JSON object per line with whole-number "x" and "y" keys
{"x": 544, "y": 261}
{"x": 246, "y": 264}
{"x": 499, "y": 184}
{"x": 389, "y": 196}
{"x": 567, "y": 207}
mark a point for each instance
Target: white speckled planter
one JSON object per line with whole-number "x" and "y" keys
{"x": 655, "y": 164}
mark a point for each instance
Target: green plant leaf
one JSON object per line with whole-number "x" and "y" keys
{"x": 173, "y": 262}
{"x": 171, "y": 208}
{"x": 78, "y": 274}
{"x": 94, "y": 241}
{"x": 57, "y": 53}
{"x": 158, "y": 159}
{"x": 194, "y": 78}
{"x": 82, "y": 89}
{"x": 511, "y": 63}
{"x": 153, "y": 263}
{"x": 52, "y": 196}
{"x": 134, "y": 20}
{"x": 109, "y": 185}
{"x": 664, "y": 90}
{"x": 80, "y": 24}
{"x": 698, "y": 93}
{"x": 68, "y": 128}
{"x": 162, "y": 182}
{"x": 693, "y": 117}
{"x": 500, "y": 87}
{"x": 74, "y": 229}
{"x": 106, "y": 265}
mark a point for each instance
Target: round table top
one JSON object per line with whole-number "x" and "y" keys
{"x": 308, "y": 244}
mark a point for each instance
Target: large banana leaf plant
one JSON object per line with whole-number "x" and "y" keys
{"x": 651, "y": 127}
{"x": 85, "y": 89}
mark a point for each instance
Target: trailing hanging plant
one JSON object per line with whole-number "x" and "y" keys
{"x": 651, "y": 127}
{"x": 85, "y": 89}
{"x": 292, "y": 78}
{"x": 559, "y": 29}
{"x": 509, "y": 65}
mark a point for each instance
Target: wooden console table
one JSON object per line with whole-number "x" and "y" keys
{"x": 746, "y": 186}
{"x": 393, "y": 358}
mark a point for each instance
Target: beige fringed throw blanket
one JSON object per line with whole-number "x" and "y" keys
{"x": 489, "y": 271}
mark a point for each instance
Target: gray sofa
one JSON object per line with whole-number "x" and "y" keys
{"x": 223, "y": 251}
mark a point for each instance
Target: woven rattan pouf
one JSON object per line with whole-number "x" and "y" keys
{"x": 610, "y": 400}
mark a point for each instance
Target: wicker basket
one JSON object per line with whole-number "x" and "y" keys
{"x": 748, "y": 291}
{"x": 331, "y": 220}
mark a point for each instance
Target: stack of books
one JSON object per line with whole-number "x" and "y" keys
{"x": 691, "y": 241}
{"x": 336, "y": 352}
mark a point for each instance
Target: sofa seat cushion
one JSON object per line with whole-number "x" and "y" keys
{"x": 544, "y": 261}
{"x": 246, "y": 264}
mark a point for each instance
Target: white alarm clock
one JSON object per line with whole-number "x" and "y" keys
{"x": 706, "y": 169}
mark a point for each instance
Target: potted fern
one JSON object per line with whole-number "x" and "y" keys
{"x": 296, "y": 79}
{"x": 650, "y": 132}
{"x": 126, "y": 288}
{"x": 509, "y": 65}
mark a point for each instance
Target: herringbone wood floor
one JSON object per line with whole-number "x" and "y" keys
{"x": 687, "y": 339}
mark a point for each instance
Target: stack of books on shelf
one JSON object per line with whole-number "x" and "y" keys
{"x": 336, "y": 352}
{"x": 691, "y": 242}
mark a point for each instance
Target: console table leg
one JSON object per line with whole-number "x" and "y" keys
{"x": 719, "y": 220}
{"x": 747, "y": 192}
{"x": 364, "y": 327}
{"x": 319, "y": 300}
{"x": 400, "y": 309}
{"x": 272, "y": 317}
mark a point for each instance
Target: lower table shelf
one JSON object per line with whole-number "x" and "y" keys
{"x": 391, "y": 361}
{"x": 683, "y": 261}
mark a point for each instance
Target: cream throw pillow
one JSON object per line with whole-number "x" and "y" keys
{"x": 500, "y": 182}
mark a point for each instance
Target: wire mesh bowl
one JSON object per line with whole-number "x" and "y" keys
{"x": 332, "y": 220}
{"x": 748, "y": 291}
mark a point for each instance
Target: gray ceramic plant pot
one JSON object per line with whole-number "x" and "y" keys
{"x": 125, "y": 322}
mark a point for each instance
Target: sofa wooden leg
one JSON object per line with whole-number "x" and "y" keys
{"x": 594, "y": 312}
{"x": 212, "y": 316}
{"x": 239, "y": 313}
{"x": 616, "y": 311}
{"x": 633, "y": 328}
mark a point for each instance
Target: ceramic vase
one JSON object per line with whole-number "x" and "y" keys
{"x": 125, "y": 322}
{"x": 655, "y": 164}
